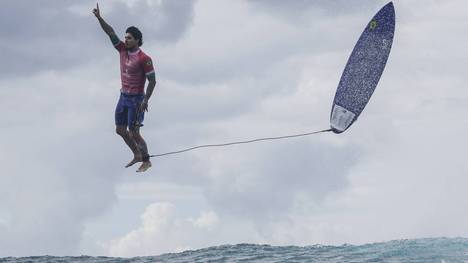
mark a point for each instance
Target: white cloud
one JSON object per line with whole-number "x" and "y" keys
{"x": 161, "y": 231}
{"x": 206, "y": 220}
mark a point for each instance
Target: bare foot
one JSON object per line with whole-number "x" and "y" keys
{"x": 144, "y": 166}
{"x": 135, "y": 160}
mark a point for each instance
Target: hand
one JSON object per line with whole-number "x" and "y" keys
{"x": 96, "y": 11}
{"x": 144, "y": 105}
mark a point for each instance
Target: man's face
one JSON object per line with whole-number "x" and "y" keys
{"x": 130, "y": 41}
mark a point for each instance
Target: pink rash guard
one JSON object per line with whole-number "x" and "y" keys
{"x": 134, "y": 68}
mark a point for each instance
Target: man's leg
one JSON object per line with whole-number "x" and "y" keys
{"x": 135, "y": 134}
{"x": 131, "y": 143}
{"x": 121, "y": 122}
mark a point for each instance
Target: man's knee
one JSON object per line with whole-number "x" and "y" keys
{"x": 121, "y": 130}
{"x": 134, "y": 133}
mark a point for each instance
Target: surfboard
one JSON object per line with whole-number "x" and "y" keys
{"x": 363, "y": 69}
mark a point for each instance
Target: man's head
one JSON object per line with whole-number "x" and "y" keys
{"x": 133, "y": 37}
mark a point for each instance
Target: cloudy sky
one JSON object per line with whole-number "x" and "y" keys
{"x": 227, "y": 71}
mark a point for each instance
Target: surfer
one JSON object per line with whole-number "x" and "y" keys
{"x": 135, "y": 68}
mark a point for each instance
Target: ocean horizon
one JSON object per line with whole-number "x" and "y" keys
{"x": 441, "y": 250}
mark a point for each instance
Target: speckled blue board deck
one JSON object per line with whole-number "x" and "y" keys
{"x": 363, "y": 70}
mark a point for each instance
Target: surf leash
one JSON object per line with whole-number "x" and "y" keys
{"x": 241, "y": 142}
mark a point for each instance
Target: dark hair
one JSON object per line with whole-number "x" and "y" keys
{"x": 136, "y": 33}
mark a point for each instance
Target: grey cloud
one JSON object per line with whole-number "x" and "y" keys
{"x": 300, "y": 9}
{"x": 161, "y": 21}
{"x": 56, "y": 184}
{"x": 61, "y": 170}
{"x": 271, "y": 180}
{"x": 39, "y": 35}
{"x": 231, "y": 100}
{"x": 42, "y": 36}
{"x": 300, "y": 28}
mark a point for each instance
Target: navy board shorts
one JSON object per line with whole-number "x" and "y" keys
{"x": 128, "y": 111}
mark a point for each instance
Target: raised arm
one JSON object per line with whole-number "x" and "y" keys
{"x": 106, "y": 27}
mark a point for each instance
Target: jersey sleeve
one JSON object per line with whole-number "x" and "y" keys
{"x": 148, "y": 67}
{"x": 118, "y": 44}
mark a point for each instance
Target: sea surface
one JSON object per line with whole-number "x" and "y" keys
{"x": 441, "y": 250}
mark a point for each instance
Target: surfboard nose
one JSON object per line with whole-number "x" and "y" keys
{"x": 387, "y": 10}
{"x": 383, "y": 21}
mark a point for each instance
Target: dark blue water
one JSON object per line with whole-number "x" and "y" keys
{"x": 441, "y": 250}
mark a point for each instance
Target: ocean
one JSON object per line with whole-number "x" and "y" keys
{"x": 441, "y": 250}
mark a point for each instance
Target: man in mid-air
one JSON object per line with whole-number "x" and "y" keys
{"x": 135, "y": 68}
